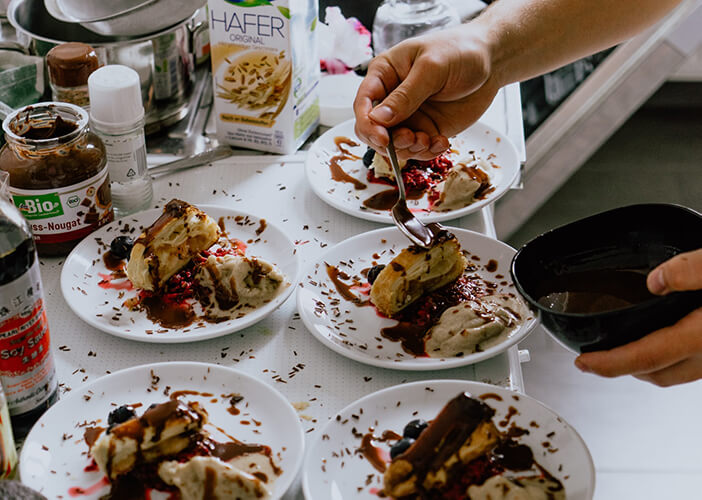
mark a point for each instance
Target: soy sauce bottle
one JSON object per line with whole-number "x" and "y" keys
{"x": 27, "y": 369}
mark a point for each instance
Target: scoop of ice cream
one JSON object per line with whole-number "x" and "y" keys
{"x": 460, "y": 186}
{"x": 502, "y": 488}
{"x": 465, "y": 327}
{"x": 210, "y": 477}
{"x": 382, "y": 168}
{"x": 236, "y": 280}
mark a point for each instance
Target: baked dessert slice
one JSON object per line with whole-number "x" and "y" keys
{"x": 169, "y": 244}
{"x": 416, "y": 271}
{"x": 163, "y": 430}
{"x": 461, "y": 455}
{"x": 169, "y": 447}
{"x": 462, "y": 432}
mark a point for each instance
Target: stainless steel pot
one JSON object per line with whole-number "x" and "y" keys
{"x": 164, "y": 60}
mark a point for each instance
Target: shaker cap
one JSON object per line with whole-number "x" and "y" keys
{"x": 115, "y": 97}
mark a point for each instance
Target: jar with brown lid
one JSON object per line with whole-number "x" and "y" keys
{"x": 58, "y": 174}
{"x": 70, "y": 64}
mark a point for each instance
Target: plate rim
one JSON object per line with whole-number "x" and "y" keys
{"x": 245, "y": 322}
{"x": 448, "y": 382}
{"x": 447, "y": 364}
{"x": 68, "y": 399}
{"x": 426, "y": 217}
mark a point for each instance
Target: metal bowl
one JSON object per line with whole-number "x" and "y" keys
{"x": 124, "y": 18}
{"x": 165, "y": 94}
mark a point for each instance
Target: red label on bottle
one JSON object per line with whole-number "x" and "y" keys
{"x": 27, "y": 368}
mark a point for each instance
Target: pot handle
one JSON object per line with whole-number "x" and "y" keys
{"x": 197, "y": 29}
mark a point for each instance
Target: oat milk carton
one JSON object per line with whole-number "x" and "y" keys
{"x": 265, "y": 69}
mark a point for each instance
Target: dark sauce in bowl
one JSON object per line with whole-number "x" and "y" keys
{"x": 597, "y": 291}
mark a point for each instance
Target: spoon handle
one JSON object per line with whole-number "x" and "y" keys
{"x": 392, "y": 155}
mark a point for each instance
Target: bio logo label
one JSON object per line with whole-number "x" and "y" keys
{"x": 39, "y": 207}
{"x": 73, "y": 201}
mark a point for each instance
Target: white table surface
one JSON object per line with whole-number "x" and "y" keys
{"x": 275, "y": 188}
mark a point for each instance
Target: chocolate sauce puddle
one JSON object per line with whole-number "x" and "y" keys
{"x": 337, "y": 172}
{"x": 337, "y": 276}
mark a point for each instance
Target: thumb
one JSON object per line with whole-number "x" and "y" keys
{"x": 407, "y": 97}
{"x": 682, "y": 272}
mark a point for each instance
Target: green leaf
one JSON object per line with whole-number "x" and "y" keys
{"x": 249, "y": 3}
{"x": 285, "y": 11}
{"x": 313, "y": 26}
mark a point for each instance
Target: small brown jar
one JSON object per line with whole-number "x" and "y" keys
{"x": 58, "y": 174}
{"x": 70, "y": 64}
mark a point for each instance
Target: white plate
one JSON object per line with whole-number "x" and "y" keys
{"x": 94, "y": 305}
{"x": 54, "y": 455}
{"x": 355, "y": 332}
{"x": 482, "y": 139}
{"x": 330, "y": 473}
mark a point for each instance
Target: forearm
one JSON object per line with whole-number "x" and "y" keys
{"x": 531, "y": 37}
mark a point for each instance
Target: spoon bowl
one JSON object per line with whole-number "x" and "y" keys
{"x": 420, "y": 234}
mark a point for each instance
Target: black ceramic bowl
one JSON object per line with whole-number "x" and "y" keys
{"x": 637, "y": 237}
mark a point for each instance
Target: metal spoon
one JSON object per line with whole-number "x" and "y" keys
{"x": 420, "y": 234}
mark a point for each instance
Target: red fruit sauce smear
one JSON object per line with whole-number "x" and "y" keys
{"x": 237, "y": 247}
{"x": 183, "y": 286}
{"x": 177, "y": 290}
{"x": 418, "y": 175}
{"x": 476, "y": 472}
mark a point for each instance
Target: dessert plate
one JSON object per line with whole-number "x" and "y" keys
{"x": 333, "y": 468}
{"x": 485, "y": 141}
{"x": 103, "y": 307}
{"x": 355, "y": 331}
{"x": 54, "y": 455}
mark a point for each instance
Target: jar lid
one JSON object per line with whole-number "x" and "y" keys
{"x": 70, "y": 64}
{"x": 115, "y": 97}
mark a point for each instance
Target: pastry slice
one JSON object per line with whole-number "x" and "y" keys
{"x": 416, "y": 271}
{"x": 163, "y": 430}
{"x": 462, "y": 432}
{"x": 169, "y": 244}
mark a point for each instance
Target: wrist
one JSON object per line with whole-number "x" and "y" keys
{"x": 486, "y": 34}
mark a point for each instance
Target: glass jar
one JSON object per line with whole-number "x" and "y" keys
{"x": 398, "y": 20}
{"x": 70, "y": 64}
{"x": 58, "y": 174}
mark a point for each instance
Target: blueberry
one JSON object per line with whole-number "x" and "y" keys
{"x": 368, "y": 157}
{"x": 400, "y": 447}
{"x": 121, "y": 247}
{"x": 374, "y": 271}
{"x": 121, "y": 414}
{"x": 414, "y": 428}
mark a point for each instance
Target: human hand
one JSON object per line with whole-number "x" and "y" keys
{"x": 428, "y": 89}
{"x": 671, "y": 355}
